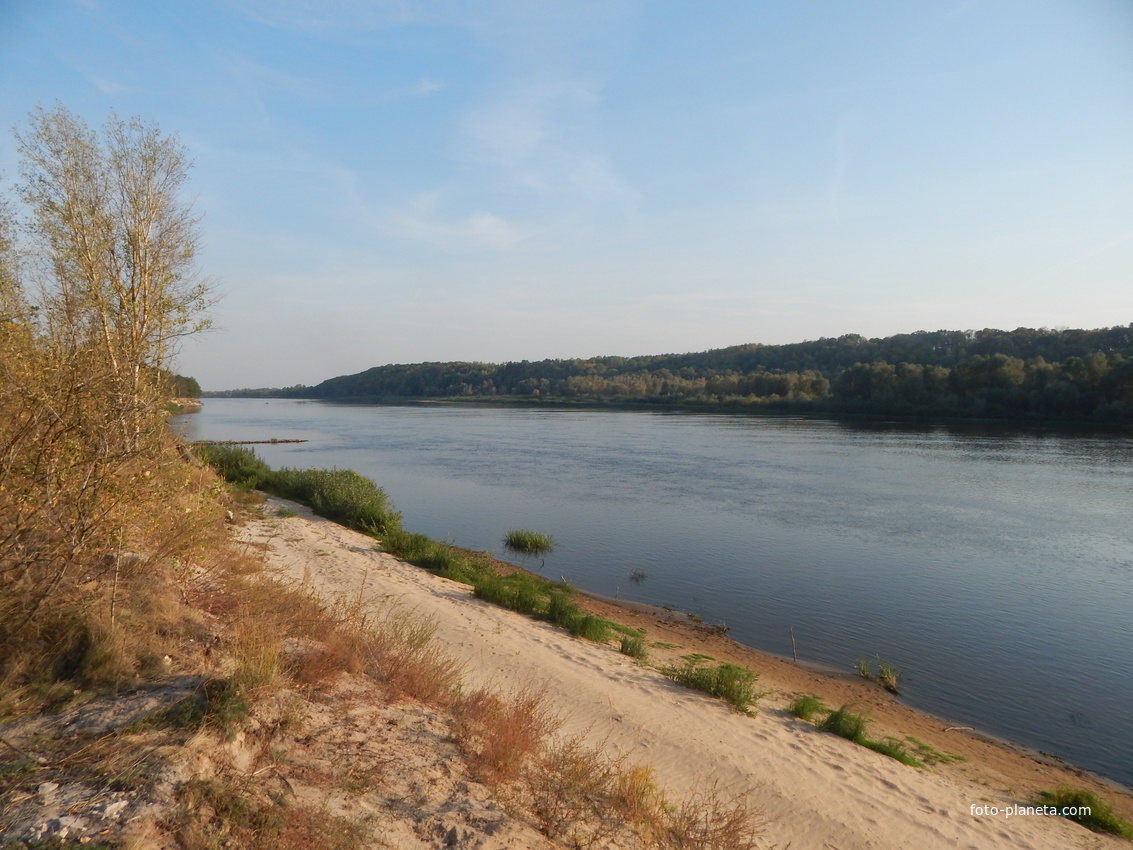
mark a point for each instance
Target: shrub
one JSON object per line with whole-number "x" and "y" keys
{"x": 1100, "y": 816}
{"x": 497, "y": 735}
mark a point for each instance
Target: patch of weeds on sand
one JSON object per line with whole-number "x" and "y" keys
{"x": 497, "y": 735}
{"x": 807, "y": 707}
{"x": 213, "y": 814}
{"x": 634, "y": 647}
{"x": 286, "y": 513}
{"x": 851, "y": 725}
{"x": 566, "y": 789}
{"x": 931, "y": 755}
{"x": 861, "y": 666}
{"x": 217, "y": 702}
{"x": 893, "y": 748}
{"x": 730, "y": 682}
{"x": 660, "y": 644}
{"x": 845, "y": 724}
{"x": 1086, "y": 808}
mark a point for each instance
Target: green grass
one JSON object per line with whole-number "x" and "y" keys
{"x": 1100, "y": 817}
{"x": 341, "y": 495}
{"x": 893, "y": 748}
{"x": 356, "y": 502}
{"x": 524, "y": 542}
{"x": 634, "y": 647}
{"x": 239, "y": 466}
{"x": 887, "y": 676}
{"x": 845, "y": 724}
{"x": 731, "y": 683}
{"x": 807, "y": 707}
{"x": 930, "y": 754}
{"x": 337, "y": 494}
{"x": 852, "y": 726}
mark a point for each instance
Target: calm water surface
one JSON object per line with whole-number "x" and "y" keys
{"x": 994, "y": 569}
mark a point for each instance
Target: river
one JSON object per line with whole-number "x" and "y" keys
{"x": 994, "y": 568}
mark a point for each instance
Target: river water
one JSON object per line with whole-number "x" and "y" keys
{"x": 993, "y": 568}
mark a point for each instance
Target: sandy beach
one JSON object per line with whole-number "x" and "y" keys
{"x": 814, "y": 790}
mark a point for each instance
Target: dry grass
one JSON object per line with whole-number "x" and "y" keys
{"x": 215, "y": 814}
{"x": 566, "y": 790}
{"x": 498, "y": 735}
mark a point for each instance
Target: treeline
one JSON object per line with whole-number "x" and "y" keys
{"x": 1026, "y": 373}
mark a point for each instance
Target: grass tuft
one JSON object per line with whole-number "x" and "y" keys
{"x": 807, "y": 707}
{"x": 524, "y": 542}
{"x": 1086, "y": 808}
{"x": 731, "y": 683}
{"x": 634, "y": 647}
{"x": 845, "y": 724}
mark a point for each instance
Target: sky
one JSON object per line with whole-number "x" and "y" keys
{"x": 399, "y": 181}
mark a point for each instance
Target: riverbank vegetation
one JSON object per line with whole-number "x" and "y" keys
{"x": 99, "y": 512}
{"x": 1056, "y": 375}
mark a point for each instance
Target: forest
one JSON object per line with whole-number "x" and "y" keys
{"x": 1027, "y": 373}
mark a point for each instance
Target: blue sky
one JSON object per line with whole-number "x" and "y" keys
{"x": 395, "y": 182}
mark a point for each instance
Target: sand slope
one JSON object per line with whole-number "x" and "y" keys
{"x": 816, "y": 790}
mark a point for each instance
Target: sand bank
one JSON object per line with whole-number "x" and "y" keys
{"x": 816, "y": 790}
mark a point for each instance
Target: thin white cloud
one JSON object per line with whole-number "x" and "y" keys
{"x": 1081, "y": 258}
{"x": 481, "y": 230}
{"x": 107, "y": 86}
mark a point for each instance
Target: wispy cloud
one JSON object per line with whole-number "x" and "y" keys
{"x": 1081, "y": 258}
{"x": 424, "y": 222}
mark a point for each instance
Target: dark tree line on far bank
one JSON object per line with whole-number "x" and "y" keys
{"x": 1032, "y": 374}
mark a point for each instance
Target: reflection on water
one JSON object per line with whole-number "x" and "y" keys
{"x": 994, "y": 568}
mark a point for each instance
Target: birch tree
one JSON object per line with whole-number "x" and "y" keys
{"x": 118, "y": 239}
